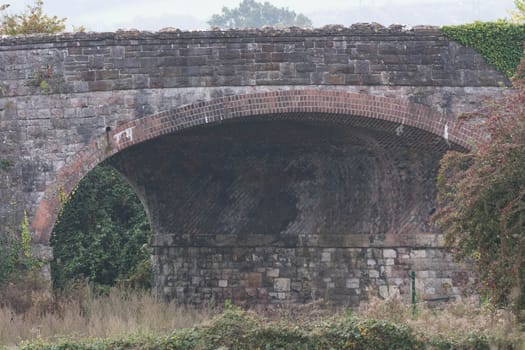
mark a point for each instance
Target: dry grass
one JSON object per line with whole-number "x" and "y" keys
{"x": 452, "y": 320}
{"x": 121, "y": 313}
{"x": 118, "y": 314}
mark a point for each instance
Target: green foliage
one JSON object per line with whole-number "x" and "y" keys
{"x": 17, "y": 264}
{"x": 9, "y": 258}
{"x": 482, "y": 202}
{"x": 47, "y": 80}
{"x": 243, "y": 331}
{"x": 25, "y": 238}
{"x": 31, "y": 21}
{"x": 101, "y": 234}
{"x": 252, "y": 14}
{"x": 5, "y": 164}
{"x": 518, "y": 15}
{"x": 500, "y": 43}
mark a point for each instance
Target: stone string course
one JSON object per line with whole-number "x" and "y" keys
{"x": 70, "y": 101}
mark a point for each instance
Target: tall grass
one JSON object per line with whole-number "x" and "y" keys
{"x": 84, "y": 314}
{"x": 123, "y": 313}
{"x": 452, "y": 321}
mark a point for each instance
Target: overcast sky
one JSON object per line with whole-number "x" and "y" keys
{"x": 110, "y": 15}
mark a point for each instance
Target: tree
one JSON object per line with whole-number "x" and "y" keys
{"x": 31, "y": 21}
{"x": 481, "y": 197}
{"x": 518, "y": 15}
{"x": 252, "y": 14}
{"x": 101, "y": 234}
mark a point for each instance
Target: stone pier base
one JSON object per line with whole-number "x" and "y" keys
{"x": 344, "y": 276}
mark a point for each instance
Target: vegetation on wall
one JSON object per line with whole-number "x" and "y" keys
{"x": 500, "y": 43}
{"x": 20, "y": 271}
{"x": 12, "y": 259}
{"x": 101, "y": 234}
{"x": 482, "y": 201}
{"x": 481, "y": 193}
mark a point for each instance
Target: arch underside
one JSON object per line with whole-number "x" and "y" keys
{"x": 284, "y": 176}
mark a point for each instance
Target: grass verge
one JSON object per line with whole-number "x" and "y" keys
{"x": 126, "y": 319}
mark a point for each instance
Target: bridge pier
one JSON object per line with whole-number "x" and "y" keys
{"x": 339, "y": 275}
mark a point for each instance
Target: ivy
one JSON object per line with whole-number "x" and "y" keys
{"x": 500, "y": 42}
{"x": 26, "y": 237}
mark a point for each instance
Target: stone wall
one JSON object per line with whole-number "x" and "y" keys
{"x": 360, "y": 55}
{"x": 340, "y": 275}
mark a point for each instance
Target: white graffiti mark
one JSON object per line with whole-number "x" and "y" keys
{"x": 124, "y": 136}
{"x": 445, "y": 135}
{"x": 399, "y": 130}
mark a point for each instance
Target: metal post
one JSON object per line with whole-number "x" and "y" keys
{"x": 413, "y": 278}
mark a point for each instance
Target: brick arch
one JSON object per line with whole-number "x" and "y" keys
{"x": 323, "y": 105}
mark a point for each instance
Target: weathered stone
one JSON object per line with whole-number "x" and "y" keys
{"x": 352, "y": 283}
{"x": 389, "y": 253}
{"x": 223, "y": 283}
{"x": 272, "y": 273}
{"x": 281, "y": 284}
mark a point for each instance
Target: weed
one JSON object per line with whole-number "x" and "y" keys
{"x": 5, "y": 164}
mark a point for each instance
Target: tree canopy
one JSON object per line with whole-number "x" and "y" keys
{"x": 32, "y": 20}
{"x": 253, "y": 14}
{"x": 518, "y": 15}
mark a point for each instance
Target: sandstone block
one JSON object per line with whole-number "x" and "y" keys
{"x": 281, "y": 284}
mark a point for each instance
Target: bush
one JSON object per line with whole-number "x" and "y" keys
{"x": 482, "y": 202}
{"x": 239, "y": 330}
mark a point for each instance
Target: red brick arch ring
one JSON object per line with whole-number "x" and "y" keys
{"x": 324, "y": 104}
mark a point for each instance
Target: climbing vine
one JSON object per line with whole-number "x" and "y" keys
{"x": 500, "y": 43}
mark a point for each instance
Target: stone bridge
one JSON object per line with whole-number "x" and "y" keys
{"x": 274, "y": 165}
